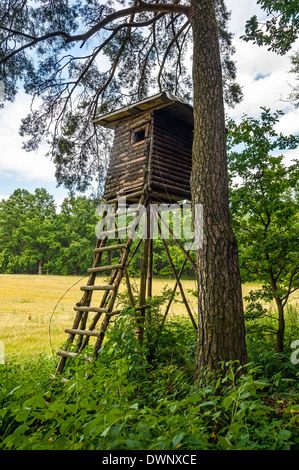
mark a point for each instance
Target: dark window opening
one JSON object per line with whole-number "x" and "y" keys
{"x": 139, "y": 136}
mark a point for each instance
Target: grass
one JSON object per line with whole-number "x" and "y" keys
{"x": 129, "y": 402}
{"x": 35, "y": 310}
{"x": 28, "y": 322}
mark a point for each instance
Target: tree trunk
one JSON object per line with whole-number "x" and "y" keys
{"x": 221, "y": 332}
{"x": 140, "y": 312}
{"x": 279, "y": 304}
{"x": 281, "y": 326}
{"x": 39, "y": 268}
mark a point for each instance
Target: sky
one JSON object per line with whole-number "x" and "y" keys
{"x": 263, "y": 75}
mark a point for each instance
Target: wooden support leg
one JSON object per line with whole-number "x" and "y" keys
{"x": 129, "y": 288}
{"x": 150, "y": 269}
{"x": 145, "y": 278}
{"x": 140, "y": 313}
{"x": 173, "y": 293}
{"x": 178, "y": 282}
{"x": 180, "y": 285}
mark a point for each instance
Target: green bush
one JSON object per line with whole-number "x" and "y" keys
{"x": 123, "y": 401}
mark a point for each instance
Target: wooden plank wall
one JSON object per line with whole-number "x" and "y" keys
{"x": 128, "y": 161}
{"x": 172, "y": 156}
{"x": 170, "y": 160}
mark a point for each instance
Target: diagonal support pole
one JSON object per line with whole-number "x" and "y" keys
{"x": 178, "y": 280}
{"x": 177, "y": 242}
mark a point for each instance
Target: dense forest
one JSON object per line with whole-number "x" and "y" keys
{"x": 39, "y": 238}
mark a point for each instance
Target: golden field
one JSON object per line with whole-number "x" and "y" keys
{"x": 35, "y": 309}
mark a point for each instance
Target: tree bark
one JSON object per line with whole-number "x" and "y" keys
{"x": 221, "y": 330}
{"x": 281, "y": 323}
{"x": 39, "y": 268}
{"x": 281, "y": 326}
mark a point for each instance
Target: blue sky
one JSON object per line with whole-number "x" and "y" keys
{"x": 263, "y": 75}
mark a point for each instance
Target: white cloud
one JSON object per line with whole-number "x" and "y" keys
{"x": 266, "y": 81}
{"x": 15, "y": 162}
{"x": 289, "y": 123}
{"x": 241, "y": 11}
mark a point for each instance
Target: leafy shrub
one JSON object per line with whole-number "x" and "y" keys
{"x": 123, "y": 401}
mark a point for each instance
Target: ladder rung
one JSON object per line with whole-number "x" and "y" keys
{"x": 105, "y": 268}
{"x": 116, "y": 312}
{"x": 111, "y": 232}
{"x": 119, "y": 214}
{"x": 82, "y": 332}
{"x": 141, "y": 307}
{"x": 107, "y": 287}
{"x": 91, "y": 309}
{"x": 111, "y": 247}
{"x": 70, "y": 354}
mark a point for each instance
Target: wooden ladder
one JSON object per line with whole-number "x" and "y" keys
{"x": 106, "y": 307}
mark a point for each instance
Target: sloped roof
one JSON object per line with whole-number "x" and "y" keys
{"x": 173, "y": 105}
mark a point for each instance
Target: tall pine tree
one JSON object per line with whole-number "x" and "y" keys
{"x": 85, "y": 58}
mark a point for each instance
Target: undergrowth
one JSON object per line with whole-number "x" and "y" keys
{"x": 146, "y": 398}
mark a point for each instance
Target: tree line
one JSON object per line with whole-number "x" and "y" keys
{"x": 38, "y": 238}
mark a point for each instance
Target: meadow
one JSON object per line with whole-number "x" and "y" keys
{"x": 35, "y": 310}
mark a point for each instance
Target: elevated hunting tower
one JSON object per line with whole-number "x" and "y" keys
{"x": 150, "y": 163}
{"x": 152, "y": 148}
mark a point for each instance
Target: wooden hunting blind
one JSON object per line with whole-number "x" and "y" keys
{"x": 152, "y": 148}
{"x": 150, "y": 162}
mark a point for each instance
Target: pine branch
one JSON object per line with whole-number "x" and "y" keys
{"x": 172, "y": 42}
{"x": 141, "y": 7}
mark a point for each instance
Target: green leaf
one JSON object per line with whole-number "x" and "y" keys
{"x": 225, "y": 442}
{"x": 134, "y": 444}
{"x": 134, "y": 406}
{"x": 207, "y": 403}
{"x": 195, "y": 399}
{"x": 227, "y": 401}
{"x": 105, "y": 432}
{"x": 22, "y": 416}
{"x": 61, "y": 443}
{"x": 21, "y": 430}
{"x": 284, "y": 435}
{"x": 173, "y": 407}
{"x": 177, "y": 439}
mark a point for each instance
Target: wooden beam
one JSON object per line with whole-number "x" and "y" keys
{"x": 178, "y": 281}
{"x": 178, "y": 243}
